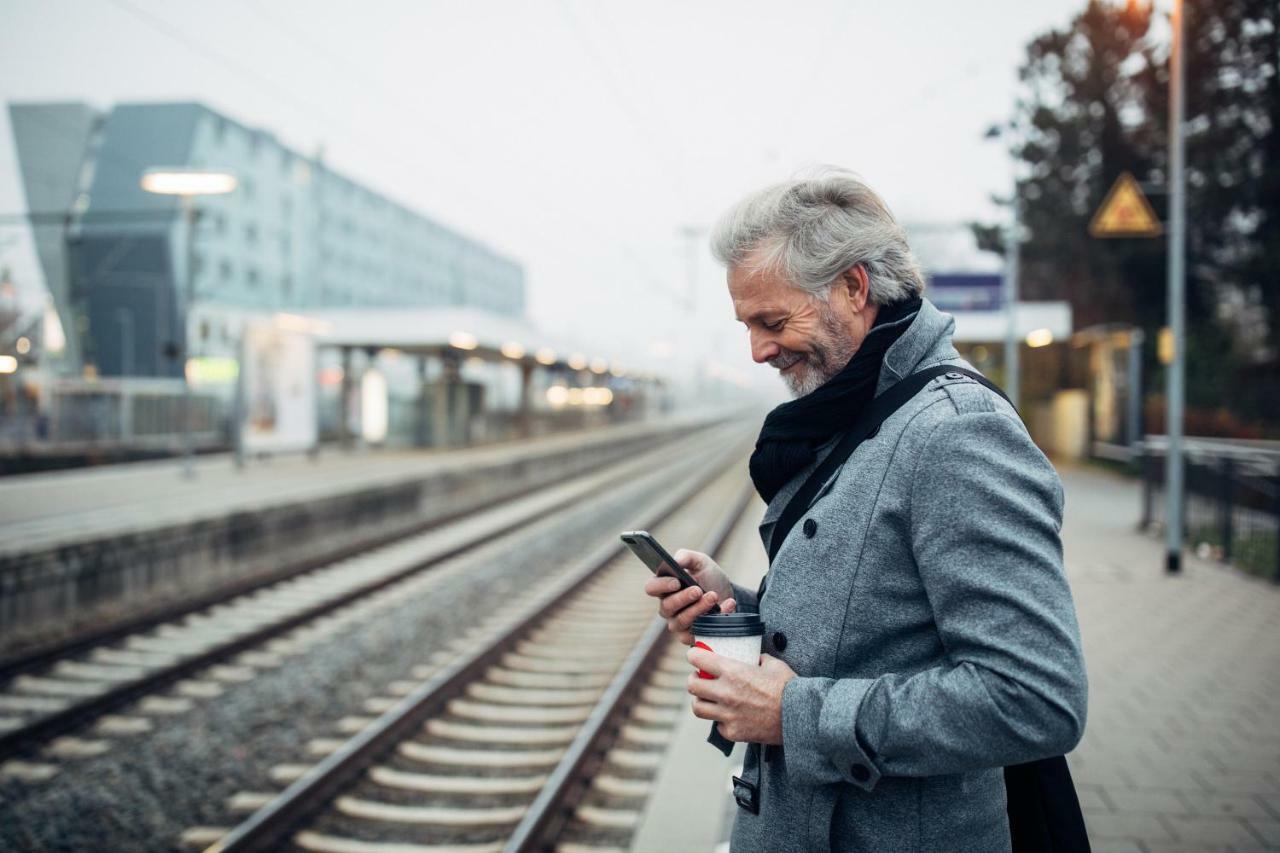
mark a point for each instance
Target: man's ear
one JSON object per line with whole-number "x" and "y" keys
{"x": 857, "y": 286}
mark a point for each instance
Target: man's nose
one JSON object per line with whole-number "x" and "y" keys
{"x": 763, "y": 349}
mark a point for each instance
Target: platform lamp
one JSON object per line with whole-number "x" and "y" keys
{"x": 188, "y": 184}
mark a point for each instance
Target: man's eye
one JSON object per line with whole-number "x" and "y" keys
{"x": 774, "y": 326}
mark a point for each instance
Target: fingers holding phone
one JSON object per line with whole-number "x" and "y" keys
{"x": 687, "y": 584}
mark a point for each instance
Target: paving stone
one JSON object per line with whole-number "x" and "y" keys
{"x": 1268, "y": 831}
{"x": 1146, "y": 800}
{"x": 1116, "y": 845}
{"x": 1143, "y": 827}
{"x": 1210, "y": 830}
{"x": 1092, "y": 798}
{"x": 1227, "y": 805}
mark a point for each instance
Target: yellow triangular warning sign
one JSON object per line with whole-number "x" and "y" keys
{"x": 1125, "y": 212}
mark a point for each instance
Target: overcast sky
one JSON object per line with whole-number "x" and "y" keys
{"x": 579, "y": 137}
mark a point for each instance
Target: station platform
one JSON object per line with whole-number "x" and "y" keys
{"x": 94, "y": 546}
{"x": 1181, "y": 751}
{"x": 61, "y": 506}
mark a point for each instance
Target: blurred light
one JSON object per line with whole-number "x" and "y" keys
{"x": 597, "y": 396}
{"x": 8, "y": 364}
{"x": 578, "y": 361}
{"x": 1039, "y": 338}
{"x": 389, "y": 353}
{"x": 463, "y": 340}
{"x": 599, "y": 365}
{"x": 213, "y": 370}
{"x": 22, "y": 345}
{"x": 475, "y": 362}
{"x": 980, "y": 353}
{"x": 617, "y": 370}
{"x": 546, "y": 355}
{"x": 55, "y": 340}
{"x": 188, "y": 181}
{"x": 1164, "y": 345}
{"x": 512, "y": 349}
{"x": 331, "y": 376}
{"x": 575, "y": 396}
{"x": 557, "y": 396}
{"x": 373, "y": 406}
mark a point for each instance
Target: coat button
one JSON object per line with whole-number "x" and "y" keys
{"x": 860, "y": 772}
{"x": 953, "y": 375}
{"x": 810, "y": 527}
{"x": 779, "y": 641}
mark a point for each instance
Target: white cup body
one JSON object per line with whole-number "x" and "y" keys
{"x": 745, "y": 649}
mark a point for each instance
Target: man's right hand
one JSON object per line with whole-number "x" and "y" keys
{"x": 680, "y": 607}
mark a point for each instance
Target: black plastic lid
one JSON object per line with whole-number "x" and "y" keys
{"x": 729, "y": 625}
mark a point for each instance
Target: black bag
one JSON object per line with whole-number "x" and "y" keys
{"x": 1044, "y": 812}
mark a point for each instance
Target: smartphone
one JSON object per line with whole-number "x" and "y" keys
{"x": 658, "y": 560}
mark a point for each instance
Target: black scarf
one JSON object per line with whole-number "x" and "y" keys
{"x": 793, "y": 431}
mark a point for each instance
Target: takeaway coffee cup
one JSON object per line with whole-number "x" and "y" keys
{"x": 734, "y": 635}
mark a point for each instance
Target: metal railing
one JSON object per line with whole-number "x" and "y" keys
{"x": 1231, "y": 510}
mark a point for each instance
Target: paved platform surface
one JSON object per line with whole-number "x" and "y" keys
{"x": 1182, "y": 747}
{"x": 44, "y": 508}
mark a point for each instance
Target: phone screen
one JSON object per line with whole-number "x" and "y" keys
{"x": 654, "y": 555}
{"x": 658, "y": 560}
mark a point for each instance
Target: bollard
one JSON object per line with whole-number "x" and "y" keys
{"x": 1226, "y": 475}
{"x": 1148, "y": 489}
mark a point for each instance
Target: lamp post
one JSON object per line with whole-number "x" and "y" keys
{"x": 188, "y": 184}
{"x": 1177, "y": 309}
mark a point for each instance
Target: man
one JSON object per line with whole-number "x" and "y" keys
{"x": 920, "y": 634}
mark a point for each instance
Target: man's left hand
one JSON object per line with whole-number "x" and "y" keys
{"x": 745, "y": 700}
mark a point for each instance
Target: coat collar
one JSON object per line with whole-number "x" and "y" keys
{"x": 926, "y": 341}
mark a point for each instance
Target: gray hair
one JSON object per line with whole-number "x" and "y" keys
{"x": 811, "y": 229}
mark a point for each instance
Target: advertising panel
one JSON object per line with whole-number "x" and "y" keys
{"x": 278, "y": 389}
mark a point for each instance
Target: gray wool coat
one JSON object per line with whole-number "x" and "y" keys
{"x": 927, "y": 616}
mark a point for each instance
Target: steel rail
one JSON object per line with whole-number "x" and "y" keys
{"x": 76, "y": 715}
{"x": 48, "y": 654}
{"x": 554, "y": 805}
{"x": 268, "y": 828}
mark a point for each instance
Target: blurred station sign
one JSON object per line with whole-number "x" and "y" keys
{"x": 953, "y": 292}
{"x": 1125, "y": 212}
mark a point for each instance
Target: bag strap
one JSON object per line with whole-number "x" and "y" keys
{"x": 867, "y": 425}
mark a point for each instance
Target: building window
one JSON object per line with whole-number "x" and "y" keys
{"x": 251, "y": 278}
{"x": 224, "y": 269}
{"x": 251, "y": 234}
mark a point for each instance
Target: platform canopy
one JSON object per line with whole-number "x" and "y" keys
{"x": 989, "y": 326}
{"x": 462, "y": 332}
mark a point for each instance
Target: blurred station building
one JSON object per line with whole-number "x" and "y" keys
{"x": 143, "y": 298}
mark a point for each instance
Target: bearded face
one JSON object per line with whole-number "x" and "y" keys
{"x": 807, "y": 338}
{"x": 827, "y": 353}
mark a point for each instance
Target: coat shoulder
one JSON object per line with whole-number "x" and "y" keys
{"x": 947, "y": 397}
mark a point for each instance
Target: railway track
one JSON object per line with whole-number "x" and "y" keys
{"x": 165, "y": 668}
{"x": 548, "y": 719}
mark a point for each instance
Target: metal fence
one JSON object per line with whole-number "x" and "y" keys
{"x": 1231, "y": 508}
{"x": 114, "y": 414}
